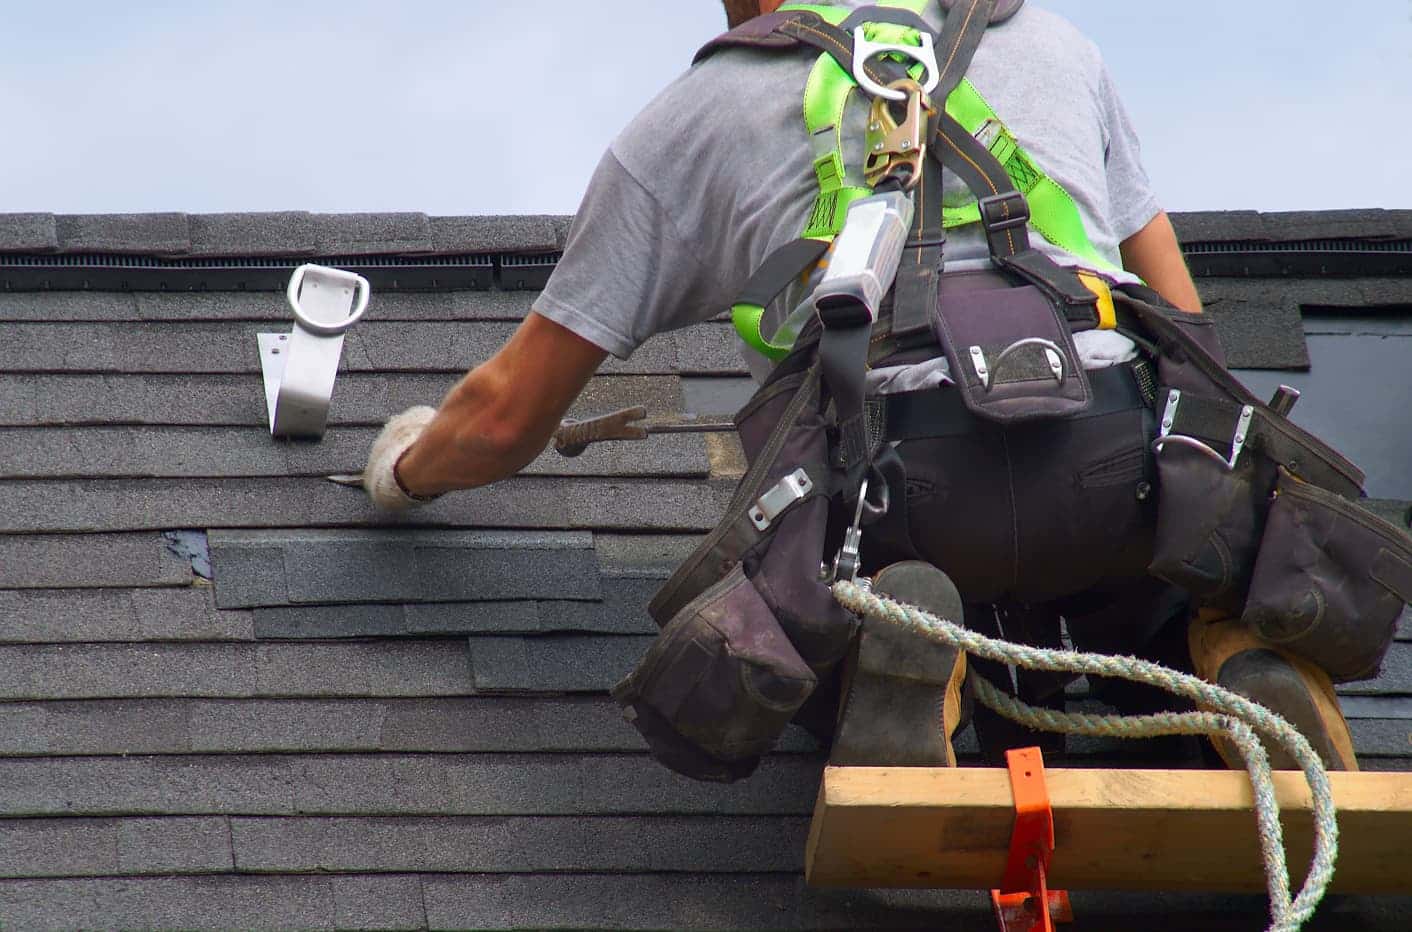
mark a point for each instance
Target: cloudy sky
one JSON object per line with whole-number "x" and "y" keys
{"x": 483, "y": 106}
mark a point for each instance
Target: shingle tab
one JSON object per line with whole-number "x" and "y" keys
{"x": 362, "y": 234}
{"x": 268, "y": 726}
{"x": 379, "y": 902}
{"x": 400, "y": 566}
{"x": 372, "y": 346}
{"x": 181, "y": 452}
{"x": 360, "y": 399}
{"x": 396, "y": 620}
{"x": 222, "y": 902}
{"x": 492, "y": 785}
{"x": 279, "y": 233}
{"x": 28, "y": 233}
{"x": 1261, "y": 336}
{"x": 98, "y": 847}
{"x": 132, "y": 234}
{"x": 89, "y": 561}
{"x": 677, "y": 901}
{"x": 559, "y": 663}
{"x": 34, "y": 507}
{"x": 494, "y": 234}
{"x": 37, "y": 616}
{"x": 121, "y": 671}
{"x": 449, "y": 845}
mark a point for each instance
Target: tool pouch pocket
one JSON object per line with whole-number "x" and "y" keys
{"x": 719, "y": 684}
{"x": 1011, "y": 353}
{"x": 1209, "y": 522}
{"x": 1331, "y": 580}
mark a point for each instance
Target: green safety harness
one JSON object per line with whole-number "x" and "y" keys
{"x": 894, "y": 30}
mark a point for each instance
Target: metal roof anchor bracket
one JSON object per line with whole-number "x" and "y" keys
{"x": 300, "y": 367}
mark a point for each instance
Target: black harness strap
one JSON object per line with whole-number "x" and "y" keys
{"x": 919, "y": 275}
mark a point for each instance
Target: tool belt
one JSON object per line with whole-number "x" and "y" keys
{"x": 1169, "y": 466}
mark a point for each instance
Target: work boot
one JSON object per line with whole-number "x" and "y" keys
{"x": 1227, "y": 652}
{"x": 903, "y": 693}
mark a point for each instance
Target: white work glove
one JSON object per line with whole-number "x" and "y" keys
{"x": 379, "y": 477}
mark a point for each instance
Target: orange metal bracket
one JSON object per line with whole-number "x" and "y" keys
{"x": 1024, "y": 902}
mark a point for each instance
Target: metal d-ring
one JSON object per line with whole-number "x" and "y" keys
{"x": 362, "y": 291}
{"x": 864, "y": 49}
{"x": 1056, "y": 362}
{"x": 1238, "y": 438}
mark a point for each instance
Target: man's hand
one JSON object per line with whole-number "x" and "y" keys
{"x": 380, "y": 476}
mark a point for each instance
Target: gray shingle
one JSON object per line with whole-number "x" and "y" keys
{"x": 70, "y": 306}
{"x": 122, "y": 671}
{"x": 135, "y": 234}
{"x": 89, "y": 561}
{"x": 1339, "y": 224}
{"x": 1395, "y": 679}
{"x": 712, "y": 397}
{"x": 499, "y": 785}
{"x": 261, "y": 726}
{"x": 397, "y": 620}
{"x": 559, "y": 663}
{"x": 1381, "y": 737}
{"x": 222, "y": 902}
{"x": 675, "y": 901}
{"x": 212, "y": 400}
{"x": 279, "y": 233}
{"x": 153, "y": 504}
{"x": 372, "y": 346}
{"x": 519, "y": 845}
{"x": 1261, "y": 336}
{"x": 1218, "y": 226}
{"x": 88, "y": 847}
{"x": 36, "y": 616}
{"x": 181, "y": 452}
{"x": 360, "y": 234}
{"x": 494, "y": 234}
{"x": 379, "y": 902}
{"x": 28, "y": 233}
{"x": 1241, "y": 225}
{"x": 264, "y": 568}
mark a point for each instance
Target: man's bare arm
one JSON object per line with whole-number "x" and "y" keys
{"x": 504, "y": 412}
{"x": 1154, "y": 255}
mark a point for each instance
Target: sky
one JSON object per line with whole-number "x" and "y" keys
{"x": 485, "y": 107}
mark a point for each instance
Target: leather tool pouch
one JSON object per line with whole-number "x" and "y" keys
{"x": 718, "y": 685}
{"x": 748, "y": 626}
{"x": 1330, "y": 581}
{"x": 1258, "y": 517}
{"x": 1010, "y": 351}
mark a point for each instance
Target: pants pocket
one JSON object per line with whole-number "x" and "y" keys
{"x": 1331, "y": 580}
{"x": 719, "y": 684}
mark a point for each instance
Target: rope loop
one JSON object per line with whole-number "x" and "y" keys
{"x": 1226, "y": 714}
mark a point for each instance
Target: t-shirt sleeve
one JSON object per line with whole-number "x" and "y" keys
{"x": 1130, "y": 195}
{"x": 627, "y": 272}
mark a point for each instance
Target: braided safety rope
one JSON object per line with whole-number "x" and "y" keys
{"x": 1229, "y": 715}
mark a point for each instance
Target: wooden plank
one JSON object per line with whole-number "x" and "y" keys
{"x": 1114, "y": 829}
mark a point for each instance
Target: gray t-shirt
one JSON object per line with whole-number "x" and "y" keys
{"x": 716, "y": 173}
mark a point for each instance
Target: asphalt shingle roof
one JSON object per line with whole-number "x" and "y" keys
{"x": 368, "y": 721}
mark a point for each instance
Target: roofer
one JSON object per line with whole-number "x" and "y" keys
{"x": 997, "y": 421}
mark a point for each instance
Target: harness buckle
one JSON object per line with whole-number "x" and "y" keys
{"x": 1001, "y": 212}
{"x": 896, "y": 149}
{"x": 864, "y": 49}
